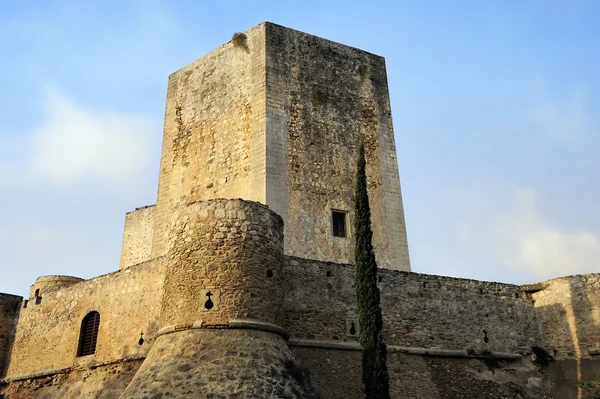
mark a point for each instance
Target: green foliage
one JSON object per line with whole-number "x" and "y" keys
{"x": 375, "y": 374}
{"x": 240, "y": 40}
{"x": 362, "y": 71}
{"x": 591, "y": 389}
{"x": 317, "y": 97}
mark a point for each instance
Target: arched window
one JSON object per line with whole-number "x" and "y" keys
{"x": 88, "y": 335}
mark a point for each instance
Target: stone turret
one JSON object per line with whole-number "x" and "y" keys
{"x": 47, "y": 284}
{"x": 224, "y": 263}
{"x": 222, "y": 307}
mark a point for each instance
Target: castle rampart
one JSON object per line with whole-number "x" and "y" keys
{"x": 419, "y": 310}
{"x": 128, "y": 302}
{"x": 46, "y": 284}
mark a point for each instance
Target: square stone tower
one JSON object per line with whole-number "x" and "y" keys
{"x": 275, "y": 116}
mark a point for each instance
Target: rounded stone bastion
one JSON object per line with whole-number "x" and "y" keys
{"x": 46, "y": 284}
{"x": 222, "y": 305}
{"x": 223, "y": 265}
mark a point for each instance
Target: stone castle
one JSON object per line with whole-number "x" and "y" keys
{"x": 238, "y": 282}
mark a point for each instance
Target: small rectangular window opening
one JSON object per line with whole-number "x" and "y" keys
{"x": 339, "y": 223}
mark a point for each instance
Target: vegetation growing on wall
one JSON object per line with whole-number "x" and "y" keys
{"x": 316, "y": 97}
{"x": 591, "y": 389}
{"x": 374, "y": 368}
{"x": 362, "y": 71}
{"x": 240, "y": 40}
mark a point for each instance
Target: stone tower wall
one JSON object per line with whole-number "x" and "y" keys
{"x": 277, "y": 119}
{"x": 232, "y": 249}
{"x": 137, "y": 237}
{"x": 213, "y": 142}
{"x": 322, "y": 97}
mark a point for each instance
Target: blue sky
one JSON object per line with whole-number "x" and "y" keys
{"x": 494, "y": 106}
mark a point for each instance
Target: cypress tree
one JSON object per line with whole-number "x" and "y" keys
{"x": 374, "y": 368}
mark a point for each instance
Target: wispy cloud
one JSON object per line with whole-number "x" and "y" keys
{"x": 563, "y": 118}
{"x": 518, "y": 236}
{"x": 73, "y": 142}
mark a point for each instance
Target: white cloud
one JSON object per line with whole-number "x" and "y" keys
{"x": 563, "y": 119}
{"x": 517, "y": 235}
{"x": 73, "y": 143}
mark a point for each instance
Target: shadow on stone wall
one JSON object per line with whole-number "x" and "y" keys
{"x": 4, "y": 362}
{"x": 571, "y": 332}
{"x": 585, "y": 328}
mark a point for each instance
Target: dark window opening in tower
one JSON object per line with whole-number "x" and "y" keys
{"x": 88, "y": 336}
{"x": 339, "y": 223}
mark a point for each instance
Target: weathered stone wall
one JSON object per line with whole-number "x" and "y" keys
{"x": 337, "y": 374}
{"x": 322, "y": 97}
{"x": 128, "y": 301}
{"x": 564, "y": 374}
{"x": 419, "y": 310}
{"x": 9, "y": 313}
{"x": 214, "y": 363}
{"x": 277, "y": 120}
{"x": 46, "y": 284}
{"x": 568, "y": 309}
{"x": 105, "y": 381}
{"x": 223, "y": 268}
{"x": 137, "y": 236}
{"x": 213, "y": 142}
{"x": 232, "y": 249}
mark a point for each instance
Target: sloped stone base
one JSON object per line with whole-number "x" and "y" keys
{"x": 223, "y": 363}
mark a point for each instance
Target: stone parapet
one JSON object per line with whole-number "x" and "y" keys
{"x": 47, "y": 284}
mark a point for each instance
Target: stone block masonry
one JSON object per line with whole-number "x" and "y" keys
{"x": 213, "y": 142}
{"x": 137, "y": 236}
{"x": 47, "y": 335}
{"x": 224, "y": 262}
{"x": 278, "y": 121}
{"x": 322, "y": 99}
{"x": 419, "y": 310}
{"x": 9, "y": 312}
{"x": 222, "y": 308}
